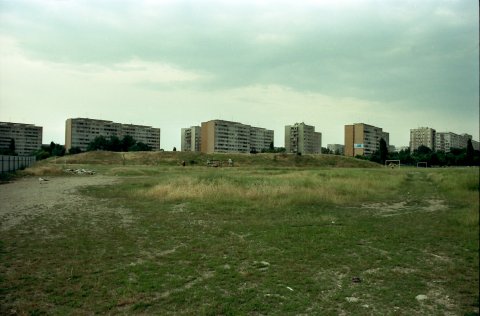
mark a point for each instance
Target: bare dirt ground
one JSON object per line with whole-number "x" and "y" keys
{"x": 28, "y": 197}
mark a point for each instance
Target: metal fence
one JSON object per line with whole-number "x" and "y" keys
{"x": 12, "y": 163}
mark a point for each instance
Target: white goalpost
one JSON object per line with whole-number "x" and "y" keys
{"x": 422, "y": 164}
{"x": 392, "y": 163}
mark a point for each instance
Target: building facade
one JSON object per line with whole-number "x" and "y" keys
{"x": 422, "y": 136}
{"x": 476, "y": 145}
{"x": 191, "y": 138}
{"x": 218, "y": 136}
{"x": 301, "y": 138}
{"x": 79, "y": 132}
{"x": 27, "y": 137}
{"x": 336, "y": 148}
{"x": 363, "y": 139}
{"x": 444, "y": 141}
{"x": 260, "y": 138}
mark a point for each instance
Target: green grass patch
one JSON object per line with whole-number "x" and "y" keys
{"x": 255, "y": 240}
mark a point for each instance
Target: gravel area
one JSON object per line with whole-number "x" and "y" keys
{"x": 29, "y": 197}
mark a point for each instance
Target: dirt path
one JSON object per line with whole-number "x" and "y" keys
{"x": 28, "y": 197}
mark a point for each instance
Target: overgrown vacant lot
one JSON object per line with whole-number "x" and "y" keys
{"x": 246, "y": 240}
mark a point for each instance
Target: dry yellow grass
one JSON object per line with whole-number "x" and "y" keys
{"x": 296, "y": 187}
{"x": 43, "y": 170}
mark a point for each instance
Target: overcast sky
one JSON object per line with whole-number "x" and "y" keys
{"x": 395, "y": 64}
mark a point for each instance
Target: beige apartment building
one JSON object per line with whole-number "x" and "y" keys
{"x": 79, "y": 132}
{"x": 27, "y": 137}
{"x": 218, "y": 136}
{"x": 422, "y": 136}
{"x": 191, "y": 138}
{"x": 301, "y": 138}
{"x": 363, "y": 139}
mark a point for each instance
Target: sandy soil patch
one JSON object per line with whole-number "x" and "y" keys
{"x": 402, "y": 208}
{"x": 29, "y": 197}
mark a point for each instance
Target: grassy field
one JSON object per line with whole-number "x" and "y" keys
{"x": 279, "y": 236}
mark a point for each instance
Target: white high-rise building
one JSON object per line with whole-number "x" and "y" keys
{"x": 302, "y": 138}
{"x": 79, "y": 132}
{"x": 444, "y": 141}
{"x": 191, "y": 138}
{"x": 26, "y": 137}
{"x": 219, "y": 136}
{"x": 422, "y": 136}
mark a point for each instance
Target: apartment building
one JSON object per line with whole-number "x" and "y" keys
{"x": 218, "y": 136}
{"x": 444, "y": 141}
{"x": 191, "y": 138}
{"x": 363, "y": 139}
{"x": 336, "y": 148}
{"x": 79, "y": 132}
{"x": 27, "y": 137}
{"x": 301, "y": 138}
{"x": 422, "y": 136}
{"x": 476, "y": 145}
{"x": 260, "y": 138}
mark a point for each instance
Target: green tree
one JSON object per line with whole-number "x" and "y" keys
{"x": 58, "y": 150}
{"x": 74, "y": 150}
{"x": 127, "y": 142}
{"x": 140, "y": 147}
{"x": 51, "y": 147}
{"x": 325, "y": 150}
{"x": 41, "y": 153}
{"x": 99, "y": 143}
{"x": 405, "y": 157}
{"x": 470, "y": 154}
{"x": 383, "y": 152}
{"x": 114, "y": 144}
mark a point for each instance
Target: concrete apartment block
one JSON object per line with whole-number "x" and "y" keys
{"x": 446, "y": 140}
{"x": 476, "y": 145}
{"x": 27, "y": 137}
{"x": 363, "y": 139}
{"x": 260, "y": 138}
{"x": 220, "y": 136}
{"x": 302, "y": 138}
{"x": 191, "y": 138}
{"x": 422, "y": 136}
{"x": 79, "y": 132}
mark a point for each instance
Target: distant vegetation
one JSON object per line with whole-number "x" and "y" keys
{"x": 456, "y": 157}
{"x": 113, "y": 143}
{"x": 127, "y": 143}
{"x": 51, "y": 150}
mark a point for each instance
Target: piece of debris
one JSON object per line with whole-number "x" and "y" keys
{"x": 42, "y": 179}
{"x": 290, "y": 288}
{"x": 356, "y": 279}
{"x": 352, "y": 299}
{"x": 421, "y": 297}
{"x": 79, "y": 171}
{"x": 262, "y": 265}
